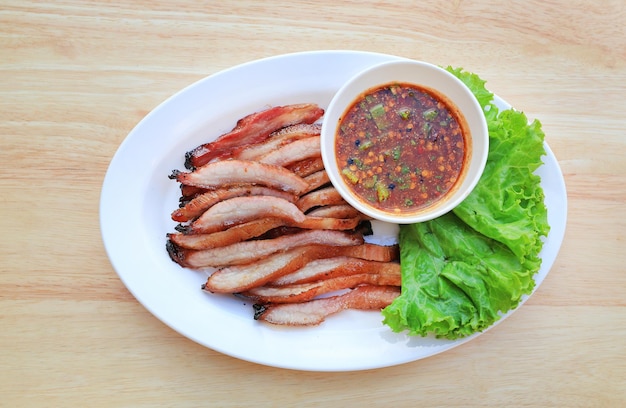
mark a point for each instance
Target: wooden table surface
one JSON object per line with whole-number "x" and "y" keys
{"x": 77, "y": 76}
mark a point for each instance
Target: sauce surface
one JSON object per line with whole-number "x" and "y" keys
{"x": 401, "y": 148}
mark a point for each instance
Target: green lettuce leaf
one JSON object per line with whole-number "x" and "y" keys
{"x": 462, "y": 270}
{"x": 508, "y": 203}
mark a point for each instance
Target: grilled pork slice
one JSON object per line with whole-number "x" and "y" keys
{"x": 303, "y": 292}
{"x": 313, "y": 312}
{"x": 252, "y": 129}
{"x": 337, "y": 266}
{"x": 232, "y": 235}
{"x": 316, "y": 180}
{"x": 306, "y": 167}
{"x": 294, "y": 152}
{"x": 250, "y": 251}
{"x": 237, "y": 172}
{"x": 199, "y": 204}
{"x": 209, "y": 227}
{"x": 335, "y": 211}
{"x": 324, "y": 196}
{"x": 239, "y": 210}
{"x": 277, "y": 140}
{"x": 330, "y": 223}
{"x": 240, "y": 278}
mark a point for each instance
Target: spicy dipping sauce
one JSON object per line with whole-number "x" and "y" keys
{"x": 401, "y": 147}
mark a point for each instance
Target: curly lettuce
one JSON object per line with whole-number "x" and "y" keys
{"x": 461, "y": 271}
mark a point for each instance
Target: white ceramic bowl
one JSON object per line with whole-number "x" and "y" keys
{"x": 426, "y": 76}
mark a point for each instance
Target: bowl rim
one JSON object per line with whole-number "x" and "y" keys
{"x": 428, "y": 76}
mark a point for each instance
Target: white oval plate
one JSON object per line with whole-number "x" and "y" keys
{"x": 137, "y": 199}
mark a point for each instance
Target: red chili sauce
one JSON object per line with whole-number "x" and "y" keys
{"x": 401, "y": 147}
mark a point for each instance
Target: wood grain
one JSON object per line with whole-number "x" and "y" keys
{"x": 76, "y": 77}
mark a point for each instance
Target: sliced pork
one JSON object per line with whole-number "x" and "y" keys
{"x": 277, "y": 140}
{"x": 202, "y": 202}
{"x": 230, "y": 173}
{"x": 329, "y": 223}
{"x": 306, "y": 167}
{"x": 315, "y": 311}
{"x": 337, "y": 266}
{"x": 335, "y": 211}
{"x": 252, "y": 129}
{"x": 321, "y": 197}
{"x": 316, "y": 180}
{"x": 306, "y": 291}
{"x": 241, "y": 278}
{"x": 258, "y": 213}
{"x": 239, "y": 210}
{"x": 232, "y": 235}
{"x": 250, "y": 251}
{"x": 294, "y": 152}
